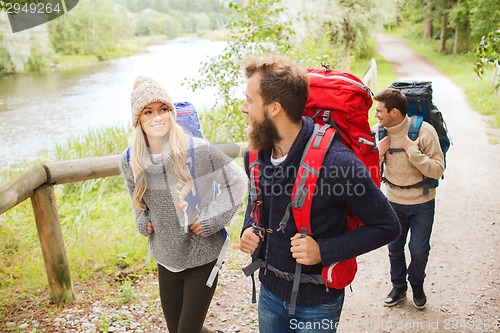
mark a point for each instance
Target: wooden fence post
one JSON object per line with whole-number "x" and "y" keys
{"x": 370, "y": 76}
{"x": 52, "y": 244}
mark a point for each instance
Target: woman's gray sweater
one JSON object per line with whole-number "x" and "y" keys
{"x": 170, "y": 244}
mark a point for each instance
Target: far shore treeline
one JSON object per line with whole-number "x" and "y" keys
{"x": 97, "y": 30}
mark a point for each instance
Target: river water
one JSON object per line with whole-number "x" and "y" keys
{"x": 39, "y": 111}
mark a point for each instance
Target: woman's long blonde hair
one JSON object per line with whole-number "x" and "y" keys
{"x": 175, "y": 151}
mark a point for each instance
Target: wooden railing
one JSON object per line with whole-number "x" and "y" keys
{"x": 38, "y": 184}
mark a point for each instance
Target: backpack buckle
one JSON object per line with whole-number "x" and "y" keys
{"x": 326, "y": 116}
{"x": 255, "y": 211}
{"x": 256, "y": 204}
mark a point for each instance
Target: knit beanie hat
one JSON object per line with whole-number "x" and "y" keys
{"x": 147, "y": 91}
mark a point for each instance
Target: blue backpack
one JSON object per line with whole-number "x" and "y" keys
{"x": 187, "y": 117}
{"x": 420, "y": 109}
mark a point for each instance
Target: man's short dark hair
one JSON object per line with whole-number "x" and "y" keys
{"x": 282, "y": 82}
{"x": 393, "y": 98}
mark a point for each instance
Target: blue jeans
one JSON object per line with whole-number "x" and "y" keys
{"x": 418, "y": 219}
{"x": 274, "y": 317}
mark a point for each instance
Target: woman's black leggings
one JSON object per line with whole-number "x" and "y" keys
{"x": 185, "y": 298}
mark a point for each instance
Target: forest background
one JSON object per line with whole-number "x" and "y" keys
{"x": 340, "y": 33}
{"x": 461, "y": 37}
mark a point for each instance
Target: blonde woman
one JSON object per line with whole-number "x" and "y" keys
{"x": 185, "y": 237}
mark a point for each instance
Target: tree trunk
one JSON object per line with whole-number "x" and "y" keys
{"x": 442, "y": 38}
{"x": 455, "y": 42}
{"x": 428, "y": 28}
{"x": 345, "y": 61}
{"x": 427, "y": 11}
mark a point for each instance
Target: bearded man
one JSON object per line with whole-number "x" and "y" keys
{"x": 276, "y": 95}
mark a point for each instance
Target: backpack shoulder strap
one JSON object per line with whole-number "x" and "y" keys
{"x": 253, "y": 167}
{"x": 255, "y": 203}
{"x": 304, "y": 189}
{"x": 216, "y": 190}
{"x": 415, "y": 124}
{"x": 193, "y": 197}
{"x": 127, "y": 153}
{"x": 305, "y": 184}
{"x": 382, "y": 132}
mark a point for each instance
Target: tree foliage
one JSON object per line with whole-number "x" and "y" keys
{"x": 167, "y": 6}
{"x": 255, "y": 28}
{"x": 469, "y": 20}
{"x": 28, "y": 50}
{"x": 484, "y": 17}
{"x": 96, "y": 27}
{"x": 91, "y": 28}
{"x": 320, "y": 31}
{"x": 488, "y": 50}
{"x": 459, "y": 21}
{"x": 309, "y": 32}
{"x": 337, "y": 31}
{"x": 191, "y": 15}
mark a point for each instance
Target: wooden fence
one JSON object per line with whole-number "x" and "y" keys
{"x": 38, "y": 184}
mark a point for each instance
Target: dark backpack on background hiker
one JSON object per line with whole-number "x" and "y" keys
{"x": 338, "y": 102}
{"x": 420, "y": 109}
{"x": 187, "y": 117}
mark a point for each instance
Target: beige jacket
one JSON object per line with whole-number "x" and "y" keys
{"x": 410, "y": 167}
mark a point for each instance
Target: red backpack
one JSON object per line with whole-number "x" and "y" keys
{"x": 343, "y": 101}
{"x": 338, "y": 102}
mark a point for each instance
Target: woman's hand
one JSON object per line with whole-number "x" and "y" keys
{"x": 149, "y": 227}
{"x": 196, "y": 228}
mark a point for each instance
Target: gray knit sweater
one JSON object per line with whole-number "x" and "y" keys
{"x": 170, "y": 244}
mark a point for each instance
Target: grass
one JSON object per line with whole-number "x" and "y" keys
{"x": 76, "y": 60}
{"x": 128, "y": 47}
{"x": 104, "y": 250}
{"x": 460, "y": 68}
{"x": 96, "y": 221}
{"x": 125, "y": 48}
{"x": 216, "y": 35}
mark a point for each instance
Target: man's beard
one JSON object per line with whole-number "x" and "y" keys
{"x": 263, "y": 135}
